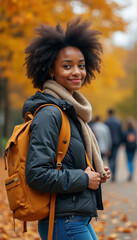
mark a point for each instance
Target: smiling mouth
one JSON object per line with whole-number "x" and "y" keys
{"x": 75, "y": 80}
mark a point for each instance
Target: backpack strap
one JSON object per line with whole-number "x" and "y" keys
{"x": 30, "y": 116}
{"x": 63, "y": 144}
{"x": 64, "y": 136}
{"x": 88, "y": 162}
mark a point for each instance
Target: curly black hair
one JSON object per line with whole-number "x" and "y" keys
{"x": 43, "y": 51}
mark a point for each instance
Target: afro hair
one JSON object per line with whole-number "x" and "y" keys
{"x": 44, "y": 49}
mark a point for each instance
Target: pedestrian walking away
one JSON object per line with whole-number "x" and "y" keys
{"x": 59, "y": 62}
{"x": 130, "y": 141}
{"x": 103, "y": 136}
{"x": 115, "y": 127}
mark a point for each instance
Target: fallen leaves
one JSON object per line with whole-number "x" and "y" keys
{"x": 114, "y": 214}
{"x": 116, "y": 222}
{"x": 123, "y": 229}
{"x": 112, "y": 236}
{"x": 123, "y": 217}
{"x": 129, "y": 227}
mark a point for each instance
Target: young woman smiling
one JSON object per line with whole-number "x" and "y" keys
{"x": 69, "y": 68}
{"x": 59, "y": 62}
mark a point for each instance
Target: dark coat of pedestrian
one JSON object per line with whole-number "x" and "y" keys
{"x": 115, "y": 127}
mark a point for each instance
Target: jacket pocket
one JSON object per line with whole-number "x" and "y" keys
{"x": 15, "y": 192}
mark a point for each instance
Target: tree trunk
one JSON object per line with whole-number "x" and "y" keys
{"x": 4, "y": 112}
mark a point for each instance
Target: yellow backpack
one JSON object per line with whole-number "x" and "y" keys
{"x": 28, "y": 204}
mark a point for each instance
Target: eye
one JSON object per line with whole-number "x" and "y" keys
{"x": 67, "y": 66}
{"x": 82, "y": 66}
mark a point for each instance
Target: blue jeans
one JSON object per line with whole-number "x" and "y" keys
{"x": 68, "y": 228}
{"x": 130, "y": 157}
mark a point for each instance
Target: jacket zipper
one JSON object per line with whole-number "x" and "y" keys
{"x": 14, "y": 180}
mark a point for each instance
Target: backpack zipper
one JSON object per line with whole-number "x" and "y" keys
{"x": 14, "y": 180}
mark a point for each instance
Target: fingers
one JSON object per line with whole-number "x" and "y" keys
{"x": 106, "y": 168}
{"x": 94, "y": 180}
{"x": 97, "y": 185}
{"x": 107, "y": 171}
{"x": 103, "y": 180}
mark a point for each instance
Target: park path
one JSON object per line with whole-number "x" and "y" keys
{"x": 118, "y": 221}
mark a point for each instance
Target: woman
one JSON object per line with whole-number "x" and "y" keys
{"x": 130, "y": 140}
{"x": 59, "y": 63}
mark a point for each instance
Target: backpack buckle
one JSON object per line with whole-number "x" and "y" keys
{"x": 64, "y": 106}
{"x": 59, "y": 165}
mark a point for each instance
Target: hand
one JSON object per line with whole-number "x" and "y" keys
{"x": 94, "y": 178}
{"x": 103, "y": 180}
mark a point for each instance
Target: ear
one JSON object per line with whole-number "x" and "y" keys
{"x": 51, "y": 72}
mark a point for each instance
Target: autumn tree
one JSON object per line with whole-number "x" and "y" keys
{"x": 128, "y": 105}
{"x": 19, "y": 18}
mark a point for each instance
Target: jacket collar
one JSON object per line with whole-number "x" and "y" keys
{"x": 40, "y": 98}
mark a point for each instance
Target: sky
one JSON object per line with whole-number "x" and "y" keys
{"x": 128, "y": 38}
{"x": 129, "y": 13}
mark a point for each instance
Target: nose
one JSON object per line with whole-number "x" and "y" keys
{"x": 76, "y": 71}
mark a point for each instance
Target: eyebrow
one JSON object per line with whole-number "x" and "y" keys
{"x": 81, "y": 60}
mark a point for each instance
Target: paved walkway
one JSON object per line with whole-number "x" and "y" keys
{"x": 119, "y": 219}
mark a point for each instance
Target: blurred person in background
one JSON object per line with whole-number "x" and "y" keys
{"x": 115, "y": 127}
{"x": 103, "y": 135}
{"x": 130, "y": 141}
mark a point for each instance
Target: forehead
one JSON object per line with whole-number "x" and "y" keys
{"x": 70, "y": 53}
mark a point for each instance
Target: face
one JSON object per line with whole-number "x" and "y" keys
{"x": 69, "y": 68}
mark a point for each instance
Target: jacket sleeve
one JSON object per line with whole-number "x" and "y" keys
{"x": 41, "y": 173}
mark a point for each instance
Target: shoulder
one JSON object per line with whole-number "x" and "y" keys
{"x": 52, "y": 109}
{"x": 49, "y": 115}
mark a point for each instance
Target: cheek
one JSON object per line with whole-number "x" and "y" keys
{"x": 84, "y": 73}
{"x": 62, "y": 73}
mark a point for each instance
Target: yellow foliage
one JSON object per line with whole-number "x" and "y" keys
{"x": 18, "y": 19}
{"x": 113, "y": 66}
{"x": 108, "y": 89}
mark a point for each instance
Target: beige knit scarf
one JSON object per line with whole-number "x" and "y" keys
{"x": 84, "y": 113}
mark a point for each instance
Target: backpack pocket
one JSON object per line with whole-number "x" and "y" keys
{"x": 15, "y": 192}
